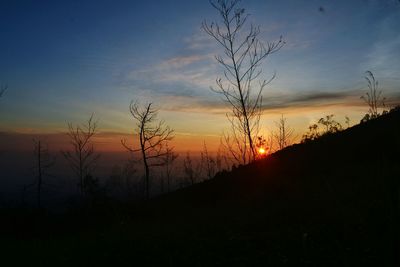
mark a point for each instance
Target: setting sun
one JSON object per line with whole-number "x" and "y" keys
{"x": 261, "y": 151}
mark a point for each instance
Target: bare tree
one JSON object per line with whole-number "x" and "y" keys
{"x": 82, "y": 158}
{"x": 168, "y": 162}
{"x": 188, "y": 168}
{"x": 42, "y": 165}
{"x": 192, "y": 171}
{"x": 243, "y": 55}
{"x": 373, "y": 97}
{"x": 208, "y": 162}
{"x": 153, "y": 137}
{"x": 284, "y": 135}
{"x": 220, "y": 160}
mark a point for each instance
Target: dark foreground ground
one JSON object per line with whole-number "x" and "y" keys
{"x": 330, "y": 202}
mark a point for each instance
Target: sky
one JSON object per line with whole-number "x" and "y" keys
{"x": 64, "y": 60}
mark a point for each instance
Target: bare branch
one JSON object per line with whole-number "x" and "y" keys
{"x": 153, "y": 138}
{"x": 82, "y": 158}
{"x": 243, "y": 53}
{"x": 284, "y": 135}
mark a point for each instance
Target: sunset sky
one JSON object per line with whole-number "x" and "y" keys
{"x": 64, "y": 60}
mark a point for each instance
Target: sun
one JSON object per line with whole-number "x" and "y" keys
{"x": 261, "y": 151}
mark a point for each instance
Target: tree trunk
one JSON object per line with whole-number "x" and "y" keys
{"x": 146, "y": 165}
{"x": 81, "y": 182}
{"x": 39, "y": 182}
{"x": 147, "y": 177}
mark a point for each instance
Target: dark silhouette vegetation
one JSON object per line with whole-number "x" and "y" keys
{"x": 332, "y": 201}
{"x": 325, "y": 126}
{"x": 373, "y": 98}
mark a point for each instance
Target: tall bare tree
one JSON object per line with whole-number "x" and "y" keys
{"x": 82, "y": 158}
{"x": 168, "y": 162}
{"x": 243, "y": 55}
{"x": 42, "y": 165}
{"x": 191, "y": 169}
{"x": 209, "y": 162}
{"x": 284, "y": 135}
{"x": 153, "y": 138}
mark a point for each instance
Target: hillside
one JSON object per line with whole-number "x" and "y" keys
{"x": 329, "y": 202}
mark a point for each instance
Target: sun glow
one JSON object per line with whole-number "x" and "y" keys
{"x": 261, "y": 151}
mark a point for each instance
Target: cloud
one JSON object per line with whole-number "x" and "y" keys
{"x": 199, "y": 41}
{"x": 181, "y": 61}
{"x": 310, "y": 100}
{"x": 188, "y": 75}
{"x": 216, "y": 105}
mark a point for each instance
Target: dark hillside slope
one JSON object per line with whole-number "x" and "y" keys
{"x": 329, "y": 202}
{"x": 336, "y": 197}
{"x": 358, "y": 166}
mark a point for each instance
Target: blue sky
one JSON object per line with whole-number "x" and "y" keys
{"x": 63, "y": 60}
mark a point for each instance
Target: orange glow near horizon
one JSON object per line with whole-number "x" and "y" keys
{"x": 262, "y": 151}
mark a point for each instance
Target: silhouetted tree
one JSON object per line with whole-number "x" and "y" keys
{"x": 373, "y": 97}
{"x": 243, "y": 55}
{"x": 312, "y": 134}
{"x": 188, "y": 168}
{"x": 82, "y": 158}
{"x": 329, "y": 125}
{"x": 208, "y": 162}
{"x": 153, "y": 137}
{"x": 42, "y": 165}
{"x": 220, "y": 161}
{"x": 168, "y": 162}
{"x": 284, "y": 136}
{"x": 192, "y": 171}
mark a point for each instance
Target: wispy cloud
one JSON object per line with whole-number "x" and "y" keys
{"x": 309, "y": 100}
{"x": 181, "y": 61}
{"x": 350, "y": 98}
{"x": 199, "y": 41}
{"x": 187, "y": 75}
